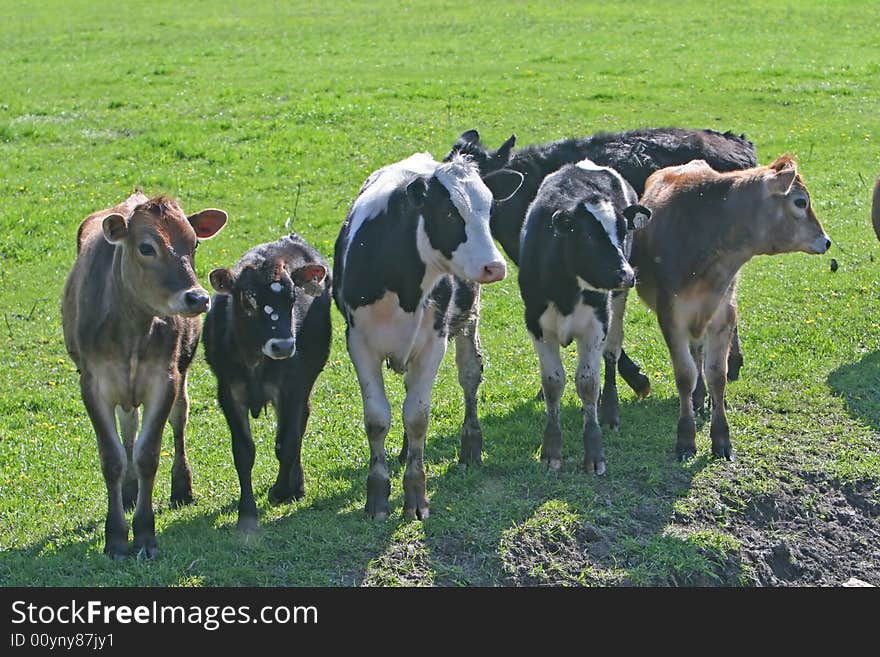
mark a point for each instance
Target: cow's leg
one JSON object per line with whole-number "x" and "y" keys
{"x": 735, "y": 358}
{"x": 587, "y": 381}
{"x": 293, "y": 414}
{"x": 157, "y": 407}
{"x": 181, "y": 474}
{"x": 718, "y": 339}
{"x": 377, "y": 421}
{"x": 469, "y": 361}
{"x": 243, "y": 452}
{"x": 698, "y": 399}
{"x": 552, "y": 385}
{"x": 113, "y": 464}
{"x": 419, "y": 382}
{"x": 633, "y": 375}
{"x": 128, "y": 426}
{"x": 609, "y": 410}
{"x": 678, "y": 342}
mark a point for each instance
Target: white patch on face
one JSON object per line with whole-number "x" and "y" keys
{"x": 268, "y": 310}
{"x": 274, "y": 317}
{"x": 604, "y": 212}
{"x": 628, "y": 192}
{"x": 276, "y": 287}
{"x": 473, "y": 200}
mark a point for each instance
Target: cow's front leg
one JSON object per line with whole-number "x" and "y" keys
{"x": 419, "y": 382}
{"x": 469, "y": 362}
{"x": 377, "y": 421}
{"x": 181, "y": 473}
{"x": 128, "y": 427}
{"x": 552, "y": 385}
{"x": 293, "y": 414}
{"x": 243, "y": 452}
{"x": 678, "y": 342}
{"x": 113, "y": 465}
{"x": 587, "y": 381}
{"x": 718, "y": 338}
{"x": 147, "y": 448}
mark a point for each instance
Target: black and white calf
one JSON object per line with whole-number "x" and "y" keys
{"x": 574, "y": 250}
{"x": 267, "y": 338}
{"x": 408, "y": 263}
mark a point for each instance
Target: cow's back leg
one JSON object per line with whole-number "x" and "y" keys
{"x": 718, "y": 339}
{"x": 128, "y": 427}
{"x": 678, "y": 341}
{"x": 377, "y": 421}
{"x": 147, "y": 448}
{"x": 587, "y": 381}
{"x": 469, "y": 362}
{"x": 609, "y": 410}
{"x": 181, "y": 474}
{"x": 419, "y": 381}
{"x": 698, "y": 399}
{"x": 113, "y": 464}
{"x": 552, "y": 385}
{"x": 633, "y": 375}
{"x": 243, "y": 452}
{"x": 293, "y": 415}
{"x": 735, "y": 358}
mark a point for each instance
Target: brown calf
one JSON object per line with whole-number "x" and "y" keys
{"x": 130, "y": 314}
{"x": 705, "y": 226}
{"x": 875, "y": 209}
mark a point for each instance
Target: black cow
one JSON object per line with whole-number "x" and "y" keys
{"x": 408, "y": 263}
{"x": 267, "y": 338}
{"x": 574, "y": 250}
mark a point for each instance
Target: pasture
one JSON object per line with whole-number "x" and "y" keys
{"x": 278, "y": 112}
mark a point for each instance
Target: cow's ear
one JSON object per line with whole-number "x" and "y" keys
{"x": 310, "y": 278}
{"x": 562, "y": 221}
{"x": 502, "y": 155}
{"x": 503, "y": 183}
{"x": 783, "y": 180}
{"x": 470, "y": 137}
{"x": 416, "y": 192}
{"x": 637, "y": 216}
{"x": 222, "y": 280}
{"x": 207, "y": 223}
{"x": 115, "y": 228}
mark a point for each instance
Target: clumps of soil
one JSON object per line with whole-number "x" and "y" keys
{"x": 555, "y": 548}
{"x": 818, "y": 533}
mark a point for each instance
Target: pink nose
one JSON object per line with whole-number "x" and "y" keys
{"x": 494, "y": 271}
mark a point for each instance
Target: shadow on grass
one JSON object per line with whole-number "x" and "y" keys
{"x": 859, "y": 385}
{"x": 509, "y": 521}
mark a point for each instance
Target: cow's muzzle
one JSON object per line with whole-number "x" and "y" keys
{"x": 279, "y": 349}
{"x": 494, "y": 271}
{"x": 821, "y": 244}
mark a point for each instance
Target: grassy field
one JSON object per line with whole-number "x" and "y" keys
{"x": 248, "y": 108}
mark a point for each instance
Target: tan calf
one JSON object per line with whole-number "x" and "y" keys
{"x": 130, "y": 314}
{"x": 705, "y": 226}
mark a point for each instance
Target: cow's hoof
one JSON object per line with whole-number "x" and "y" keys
{"x": 181, "y": 499}
{"x": 117, "y": 551}
{"x": 684, "y": 455}
{"x": 723, "y": 452}
{"x": 147, "y": 552}
{"x": 279, "y": 494}
{"x": 419, "y": 512}
{"x": 734, "y": 365}
{"x": 594, "y": 466}
{"x": 552, "y": 462}
{"x": 377, "y": 515}
{"x": 642, "y": 386}
{"x": 247, "y": 524}
{"x": 471, "y": 452}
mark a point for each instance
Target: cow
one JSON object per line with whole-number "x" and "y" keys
{"x": 875, "y": 209}
{"x": 705, "y": 226}
{"x": 635, "y": 155}
{"x": 130, "y": 312}
{"x": 408, "y": 262}
{"x": 573, "y": 251}
{"x": 267, "y": 338}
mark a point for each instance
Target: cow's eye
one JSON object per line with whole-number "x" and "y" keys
{"x": 800, "y": 203}
{"x": 146, "y": 249}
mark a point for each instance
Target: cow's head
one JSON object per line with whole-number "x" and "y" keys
{"x": 264, "y": 302}
{"x": 158, "y": 243}
{"x": 593, "y": 234}
{"x": 488, "y": 161}
{"x": 454, "y": 204}
{"x": 787, "y": 222}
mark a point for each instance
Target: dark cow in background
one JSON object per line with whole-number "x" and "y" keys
{"x": 705, "y": 226}
{"x": 635, "y": 155}
{"x": 574, "y": 250}
{"x": 267, "y": 338}
{"x": 408, "y": 261}
{"x": 131, "y": 324}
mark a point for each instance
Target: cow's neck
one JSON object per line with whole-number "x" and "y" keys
{"x": 127, "y": 311}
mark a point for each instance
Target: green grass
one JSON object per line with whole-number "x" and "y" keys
{"x": 243, "y": 107}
